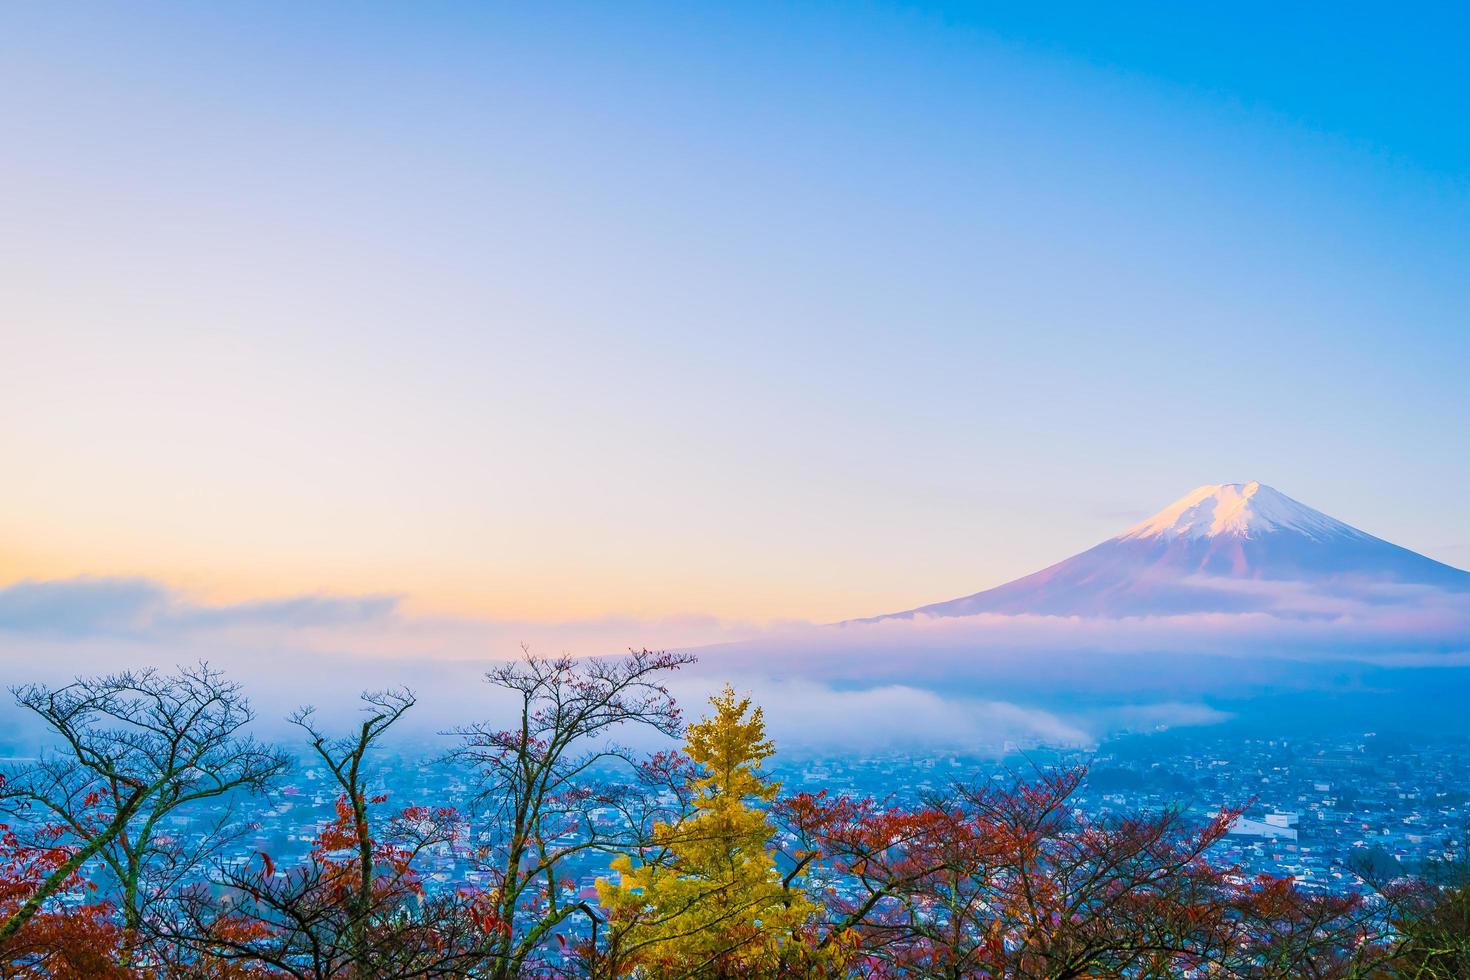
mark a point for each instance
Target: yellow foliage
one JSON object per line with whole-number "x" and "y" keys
{"x": 707, "y": 900}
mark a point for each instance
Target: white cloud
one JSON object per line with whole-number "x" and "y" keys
{"x": 962, "y": 682}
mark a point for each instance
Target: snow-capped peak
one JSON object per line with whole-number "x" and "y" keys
{"x": 1246, "y": 510}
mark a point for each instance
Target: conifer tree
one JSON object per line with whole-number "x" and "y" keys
{"x": 707, "y": 898}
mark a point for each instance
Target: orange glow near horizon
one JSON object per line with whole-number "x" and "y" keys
{"x": 545, "y": 595}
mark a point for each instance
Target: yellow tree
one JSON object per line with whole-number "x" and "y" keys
{"x": 706, "y": 898}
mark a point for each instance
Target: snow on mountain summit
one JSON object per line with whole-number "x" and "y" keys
{"x": 1223, "y": 548}
{"x": 1243, "y": 510}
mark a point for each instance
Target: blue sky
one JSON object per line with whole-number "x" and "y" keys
{"x": 760, "y": 311}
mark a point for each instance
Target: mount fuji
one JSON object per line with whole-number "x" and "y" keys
{"x": 1227, "y": 548}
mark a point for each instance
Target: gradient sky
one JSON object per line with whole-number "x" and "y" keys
{"x": 761, "y": 311}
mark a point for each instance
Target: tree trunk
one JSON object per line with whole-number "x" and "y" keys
{"x": 58, "y": 878}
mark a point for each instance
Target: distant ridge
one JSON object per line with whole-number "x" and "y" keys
{"x": 1230, "y": 547}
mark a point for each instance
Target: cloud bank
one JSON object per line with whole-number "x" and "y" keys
{"x": 959, "y": 682}
{"x": 139, "y": 607}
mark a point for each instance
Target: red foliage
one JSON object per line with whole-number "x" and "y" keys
{"x": 1012, "y": 881}
{"x": 70, "y": 938}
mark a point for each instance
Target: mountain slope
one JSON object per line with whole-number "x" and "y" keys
{"x": 1221, "y": 548}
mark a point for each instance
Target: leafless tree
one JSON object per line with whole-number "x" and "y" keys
{"x": 344, "y": 756}
{"x": 135, "y": 748}
{"x": 356, "y": 906}
{"x": 544, "y": 788}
